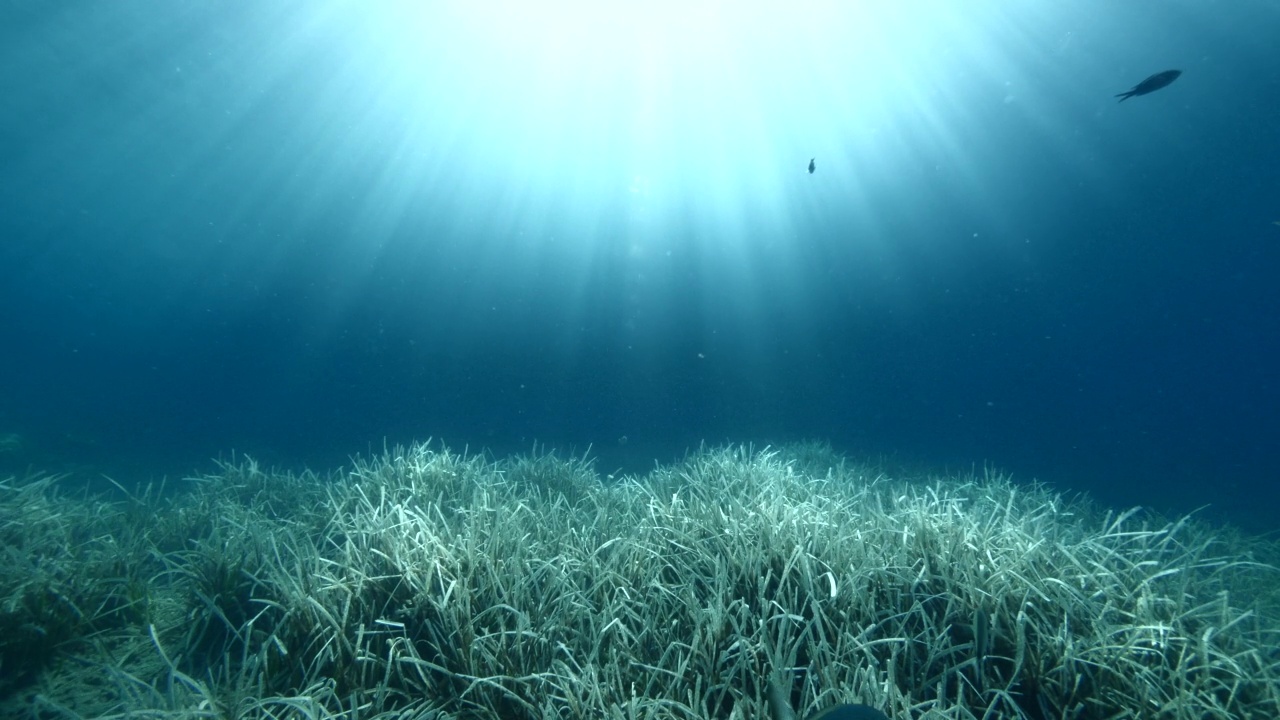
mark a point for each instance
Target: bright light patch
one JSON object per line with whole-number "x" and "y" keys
{"x": 671, "y": 139}
{"x": 711, "y": 92}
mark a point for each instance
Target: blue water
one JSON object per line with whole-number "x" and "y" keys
{"x": 299, "y": 230}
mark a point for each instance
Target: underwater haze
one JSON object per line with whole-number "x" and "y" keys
{"x": 299, "y": 230}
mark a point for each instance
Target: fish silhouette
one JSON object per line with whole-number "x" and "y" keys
{"x": 1151, "y": 84}
{"x": 781, "y": 707}
{"x": 812, "y": 167}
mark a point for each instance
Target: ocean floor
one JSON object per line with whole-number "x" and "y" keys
{"x": 424, "y": 583}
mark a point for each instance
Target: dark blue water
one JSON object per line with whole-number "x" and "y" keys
{"x": 299, "y": 230}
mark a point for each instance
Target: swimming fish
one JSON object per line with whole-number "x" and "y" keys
{"x": 781, "y": 709}
{"x": 812, "y": 167}
{"x": 1151, "y": 84}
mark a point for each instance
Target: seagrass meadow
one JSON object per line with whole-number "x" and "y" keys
{"x": 425, "y": 583}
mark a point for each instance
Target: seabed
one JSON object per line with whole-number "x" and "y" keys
{"x": 426, "y": 583}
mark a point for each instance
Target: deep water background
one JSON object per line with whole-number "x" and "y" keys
{"x": 209, "y": 243}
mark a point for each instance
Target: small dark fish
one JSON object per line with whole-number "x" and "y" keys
{"x": 1151, "y": 84}
{"x": 812, "y": 167}
{"x": 781, "y": 709}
